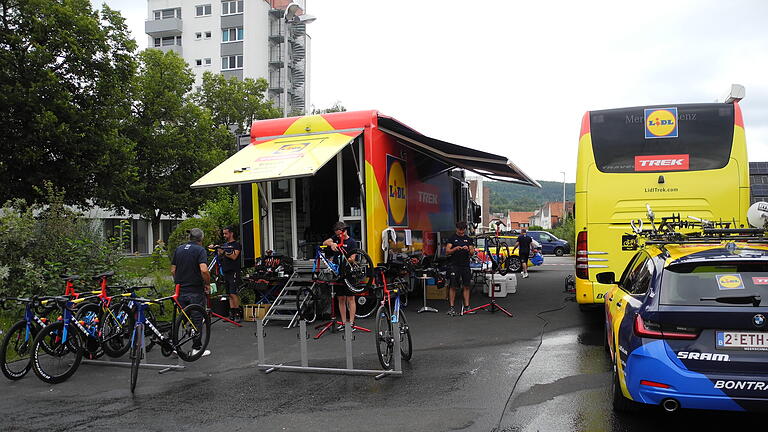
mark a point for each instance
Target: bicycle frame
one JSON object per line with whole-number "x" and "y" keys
{"x": 320, "y": 257}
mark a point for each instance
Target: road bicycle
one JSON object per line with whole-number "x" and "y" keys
{"x": 387, "y": 314}
{"x": 181, "y": 340}
{"x": 352, "y": 267}
{"x": 496, "y": 250}
{"x": 16, "y": 347}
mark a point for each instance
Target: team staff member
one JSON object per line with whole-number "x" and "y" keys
{"x": 347, "y": 300}
{"x": 189, "y": 267}
{"x": 229, "y": 257}
{"x": 524, "y": 242}
{"x": 459, "y": 248}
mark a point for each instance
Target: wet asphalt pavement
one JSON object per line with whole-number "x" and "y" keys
{"x": 460, "y": 378}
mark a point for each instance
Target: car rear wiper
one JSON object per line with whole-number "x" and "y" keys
{"x": 745, "y": 299}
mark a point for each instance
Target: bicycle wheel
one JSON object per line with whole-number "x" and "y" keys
{"x": 64, "y": 357}
{"x": 406, "y": 344}
{"x": 384, "y": 337}
{"x": 366, "y": 304}
{"x": 15, "y": 359}
{"x": 185, "y": 332}
{"x": 90, "y": 317}
{"x": 116, "y": 330}
{"x": 136, "y": 344}
{"x": 306, "y": 304}
{"x": 358, "y": 272}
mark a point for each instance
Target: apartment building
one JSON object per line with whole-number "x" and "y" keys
{"x": 237, "y": 38}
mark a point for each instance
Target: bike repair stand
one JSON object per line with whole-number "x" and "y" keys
{"x": 425, "y": 308}
{"x": 333, "y": 322}
{"x": 219, "y": 317}
{"x": 491, "y": 306}
{"x": 163, "y": 367}
{"x": 305, "y": 367}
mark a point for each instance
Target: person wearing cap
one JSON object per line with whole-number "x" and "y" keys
{"x": 347, "y": 300}
{"x": 459, "y": 248}
{"x": 189, "y": 267}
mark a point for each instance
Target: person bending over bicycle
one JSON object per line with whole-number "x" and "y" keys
{"x": 229, "y": 257}
{"x": 347, "y": 300}
{"x": 189, "y": 267}
{"x": 459, "y": 249}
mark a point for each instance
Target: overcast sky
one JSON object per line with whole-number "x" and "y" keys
{"x": 515, "y": 78}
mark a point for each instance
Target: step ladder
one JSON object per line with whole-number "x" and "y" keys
{"x": 284, "y": 307}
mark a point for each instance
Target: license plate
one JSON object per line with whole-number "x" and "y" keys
{"x": 748, "y": 341}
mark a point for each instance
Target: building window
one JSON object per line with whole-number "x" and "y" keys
{"x": 208, "y": 61}
{"x": 157, "y": 42}
{"x": 233, "y": 34}
{"x": 232, "y": 62}
{"x": 207, "y": 35}
{"x": 203, "y": 10}
{"x": 199, "y": 62}
{"x": 198, "y": 35}
{"x": 167, "y": 13}
{"x": 231, "y": 7}
{"x": 168, "y": 41}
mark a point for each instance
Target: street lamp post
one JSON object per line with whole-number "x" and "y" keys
{"x": 563, "y": 210}
{"x": 290, "y": 17}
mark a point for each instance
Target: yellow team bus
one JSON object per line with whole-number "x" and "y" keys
{"x": 689, "y": 159}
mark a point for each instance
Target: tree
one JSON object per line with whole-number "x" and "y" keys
{"x": 236, "y": 103}
{"x": 336, "y": 107}
{"x": 175, "y": 141}
{"x": 65, "y": 71}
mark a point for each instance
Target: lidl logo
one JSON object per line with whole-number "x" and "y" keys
{"x": 397, "y": 196}
{"x": 730, "y": 282}
{"x": 660, "y": 123}
{"x": 291, "y": 148}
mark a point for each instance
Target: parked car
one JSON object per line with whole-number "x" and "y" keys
{"x": 510, "y": 241}
{"x": 686, "y": 326}
{"x": 550, "y": 244}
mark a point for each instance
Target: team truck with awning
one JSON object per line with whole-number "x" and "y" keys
{"x": 299, "y": 175}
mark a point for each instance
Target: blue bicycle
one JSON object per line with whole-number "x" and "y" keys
{"x": 16, "y": 347}
{"x": 389, "y": 313}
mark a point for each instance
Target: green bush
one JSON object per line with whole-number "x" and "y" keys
{"x": 179, "y": 236}
{"x": 223, "y": 210}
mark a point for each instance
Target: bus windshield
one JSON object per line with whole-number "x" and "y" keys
{"x": 704, "y": 138}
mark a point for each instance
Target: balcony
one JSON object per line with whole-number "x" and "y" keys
{"x": 163, "y": 27}
{"x": 175, "y": 48}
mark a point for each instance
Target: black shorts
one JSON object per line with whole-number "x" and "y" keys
{"x": 460, "y": 276}
{"x": 524, "y": 257}
{"x": 231, "y": 282}
{"x": 341, "y": 288}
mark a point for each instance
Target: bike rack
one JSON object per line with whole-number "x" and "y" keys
{"x": 163, "y": 367}
{"x": 348, "y": 370}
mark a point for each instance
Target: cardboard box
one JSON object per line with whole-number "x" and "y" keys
{"x": 252, "y": 312}
{"x": 435, "y": 293}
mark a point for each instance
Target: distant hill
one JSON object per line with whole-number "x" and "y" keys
{"x": 510, "y": 196}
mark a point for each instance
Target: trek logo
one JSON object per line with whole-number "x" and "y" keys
{"x": 662, "y": 162}
{"x": 703, "y": 356}
{"x": 660, "y": 123}
{"x": 741, "y": 385}
{"x": 397, "y": 196}
{"x": 760, "y": 280}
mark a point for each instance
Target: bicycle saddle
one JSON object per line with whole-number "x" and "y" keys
{"x": 105, "y": 274}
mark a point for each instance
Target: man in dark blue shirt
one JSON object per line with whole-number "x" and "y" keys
{"x": 524, "y": 243}
{"x": 459, "y": 249}
{"x": 229, "y": 257}
{"x": 189, "y": 267}
{"x": 347, "y": 299}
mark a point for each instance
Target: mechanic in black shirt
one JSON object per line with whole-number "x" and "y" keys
{"x": 229, "y": 257}
{"x": 189, "y": 267}
{"x": 459, "y": 248}
{"x": 347, "y": 300}
{"x": 524, "y": 243}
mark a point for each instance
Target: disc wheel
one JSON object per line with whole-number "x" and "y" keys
{"x": 366, "y": 304}
{"x": 185, "y": 332}
{"x": 358, "y": 273}
{"x": 406, "y": 344}
{"x": 15, "y": 351}
{"x": 384, "y": 341}
{"x": 54, "y": 360}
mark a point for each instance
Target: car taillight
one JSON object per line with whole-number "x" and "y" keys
{"x": 653, "y": 384}
{"x": 582, "y": 268}
{"x": 650, "y": 329}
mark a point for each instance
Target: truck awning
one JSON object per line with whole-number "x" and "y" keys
{"x": 287, "y": 156}
{"x": 485, "y": 164}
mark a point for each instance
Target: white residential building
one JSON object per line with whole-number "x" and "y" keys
{"x": 237, "y": 38}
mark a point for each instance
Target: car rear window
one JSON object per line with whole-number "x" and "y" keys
{"x": 704, "y": 138}
{"x": 688, "y": 283}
